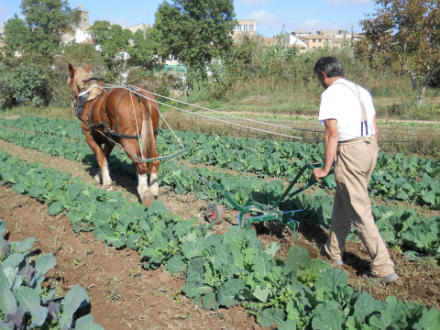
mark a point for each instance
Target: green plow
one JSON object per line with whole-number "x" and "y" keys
{"x": 254, "y": 212}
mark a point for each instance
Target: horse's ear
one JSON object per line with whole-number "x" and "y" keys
{"x": 71, "y": 70}
{"x": 88, "y": 68}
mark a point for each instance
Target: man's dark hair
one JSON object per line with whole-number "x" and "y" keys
{"x": 330, "y": 65}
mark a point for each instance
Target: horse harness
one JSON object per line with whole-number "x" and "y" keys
{"x": 81, "y": 101}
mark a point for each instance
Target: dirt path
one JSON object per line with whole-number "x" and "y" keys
{"x": 184, "y": 205}
{"x": 122, "y": 294}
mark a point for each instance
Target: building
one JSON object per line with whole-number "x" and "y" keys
{"x": 244, "y": 28}
{"x": 79, "y": 33}
{"x": 324, "y": 38}
{"x": 134, "y": 28}
{"x": 295, "y": 41}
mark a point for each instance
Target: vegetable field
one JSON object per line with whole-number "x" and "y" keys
{"x": 278, "y": 282}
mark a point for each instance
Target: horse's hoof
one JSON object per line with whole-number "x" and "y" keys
{"x": 109, "y": 188}
{"x": 148, "y": 199}
{"x": 97, "y": 178}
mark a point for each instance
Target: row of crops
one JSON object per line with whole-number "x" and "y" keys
{"x": 402, "y": 228}
{"x": 24, "y": 303}
{"x": 397, "y": 177}
{"x": 219, "y": 270}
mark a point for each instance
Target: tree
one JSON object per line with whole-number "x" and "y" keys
{"x": 40, "y": 32}
{"x": 17, "y": 37}
{"x": 195, "y": 31}
{"x": 113, "y": 41}
{"x": 25, "y": 83}
{"x": 143, "y": 49}
{"x": 406, "y": 32}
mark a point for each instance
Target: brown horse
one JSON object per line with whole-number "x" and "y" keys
{"x": 122, "y": 116}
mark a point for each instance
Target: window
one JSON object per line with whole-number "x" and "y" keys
{"x": 239, "y": 27}
{"x": 245, "y": 27}
{"x": 251, "y": 27}
{"x": 314, "y": 40}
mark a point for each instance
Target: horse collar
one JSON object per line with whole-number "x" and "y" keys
{"x": 80, "y": 103}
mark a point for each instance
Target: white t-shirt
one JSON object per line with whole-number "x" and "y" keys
{"x": 340, "y": 101}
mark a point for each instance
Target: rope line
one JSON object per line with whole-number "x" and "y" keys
{"x": 135, "y": 90}
{"x": 137, "y": 126}
{"x": 210, "y": 117}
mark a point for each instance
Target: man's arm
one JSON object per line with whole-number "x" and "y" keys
{"x": 331, "y": 144}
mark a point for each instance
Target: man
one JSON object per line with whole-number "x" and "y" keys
{"x": 349, "y": 117}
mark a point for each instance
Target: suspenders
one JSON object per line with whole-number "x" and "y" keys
{"x": 357, "y": 92}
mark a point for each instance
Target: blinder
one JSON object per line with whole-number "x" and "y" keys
{"x": 79, "y": 103}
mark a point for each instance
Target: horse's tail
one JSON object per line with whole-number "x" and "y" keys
{"x": 147, "y": 131}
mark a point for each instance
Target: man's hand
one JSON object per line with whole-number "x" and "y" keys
{"x": 319, "y": 173}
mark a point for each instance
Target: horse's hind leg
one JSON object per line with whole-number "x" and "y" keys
{"x": 103, "y": 175}
{"x": 145, "y": 195}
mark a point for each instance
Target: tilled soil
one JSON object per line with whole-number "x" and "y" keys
{"x": 123, "y": 295}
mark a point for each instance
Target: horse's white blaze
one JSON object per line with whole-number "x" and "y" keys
{"x": 154, "y": 187}
{"x": 106, "y": 180}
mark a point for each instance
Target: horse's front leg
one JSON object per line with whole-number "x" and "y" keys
{"x": 103, "y": 175}
{"x": 154, "y": 178}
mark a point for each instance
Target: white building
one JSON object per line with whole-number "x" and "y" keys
{"x": 80, "y": 33}
{"x": 297, "y": 42}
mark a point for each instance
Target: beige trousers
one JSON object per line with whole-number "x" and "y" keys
{"x": 352, "y": 206}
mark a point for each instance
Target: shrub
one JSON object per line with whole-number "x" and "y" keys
{"x": 27, "y": 84}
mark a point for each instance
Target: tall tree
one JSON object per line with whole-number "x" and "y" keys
{"x": 18, "y": 37}
{"x": 41, "y": 30}
{"x": 406, "y": 32}
{"x": 143, "y": 49}
{"x": 195, "y": 31}
{"x": 113, "y": 42}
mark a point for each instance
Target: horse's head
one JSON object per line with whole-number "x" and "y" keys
{"x": 84, "y": 87}
{"x": 77, "y": 78}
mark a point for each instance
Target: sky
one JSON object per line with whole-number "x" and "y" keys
{"x": 271, "y": 15}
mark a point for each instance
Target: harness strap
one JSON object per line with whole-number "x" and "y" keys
{"x": 364, "y": 117}
{"x": 89, "y": 115}
{"x": 114, "y": 133}
{"x": 117, "y": 110}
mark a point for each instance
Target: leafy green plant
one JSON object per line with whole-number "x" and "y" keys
{"x": 220, "y": 270}
{"x": 24, "y": 303}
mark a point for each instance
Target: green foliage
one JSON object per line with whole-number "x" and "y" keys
{"x": 24, "y": 303}
{"x": 220, "y": 270}
{"x": 17, "y": 37}
{"x": 403, "y": 228}
{"x": 38, "y": 36}
{"x": 143, "y": 49}
{"x": 113, "y": 41}
{"x": 404, "y": 33}
{"x": 194, "y": 31}
{"x": 25, "y": 83}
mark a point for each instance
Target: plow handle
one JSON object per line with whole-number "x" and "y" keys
{"x": 325, "y": 180}
{"x": 311, "y": 182}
